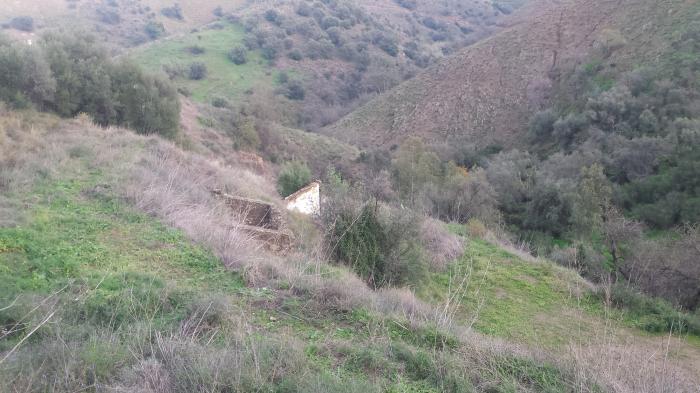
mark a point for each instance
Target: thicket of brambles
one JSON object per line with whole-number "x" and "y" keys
{"x": 69, "y": 74}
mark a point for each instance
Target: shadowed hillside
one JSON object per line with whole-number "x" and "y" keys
{"x": 485, "y": 94}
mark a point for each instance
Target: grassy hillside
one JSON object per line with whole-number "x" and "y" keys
{"x": 116, "y": 277}
{"x": 486, "y": 94}
{"x": 118, "y": 22}
{"x": 223, "y": 78}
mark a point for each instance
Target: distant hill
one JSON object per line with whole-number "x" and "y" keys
{"x": 119, "y": 22}
{"x": 486, "y": 94}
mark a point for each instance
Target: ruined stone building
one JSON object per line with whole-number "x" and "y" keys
{"x": 307, "y": 200}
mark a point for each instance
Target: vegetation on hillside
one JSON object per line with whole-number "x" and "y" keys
{"x": 137, "y": 291}
{"x": 369, "y": 55}
{"x": 434, "y": 266}
{"x": 69, "y": 74}
{"x": 607, "y": 172}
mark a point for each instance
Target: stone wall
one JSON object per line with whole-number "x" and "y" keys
{"x": 255, "y": 213}
{"x": 261, "y": 221}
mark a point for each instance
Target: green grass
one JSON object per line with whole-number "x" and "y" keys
{"x": 224, "y": 78}
{"x": 512, "y": 298}
{"x": 535, "y": 302}
{"x": 76, "y": 238}
{"x": 74, "y": 232}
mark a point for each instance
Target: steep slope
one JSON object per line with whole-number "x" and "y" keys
{"x": 119, "y": 272}
{"x": 146, "y": 287}
{"x": 485, "y": 94}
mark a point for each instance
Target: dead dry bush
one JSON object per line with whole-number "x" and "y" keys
{"x": 668, "y": 268}
{"x": 403, "y": 303}
{"x": 176, "y": 187}
{"x": 632, "y": 368}
{"x": 441, "y": 246}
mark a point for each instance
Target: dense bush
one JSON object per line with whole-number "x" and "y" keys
{"x": 447, "y": 191}
{"x": 433, "y": 24}
{"x": 154, "y": 29}
{"x": 197, "y": 71}
{"x": 269, "y": 53}
{"x": 548, "y": 211}
{"x": 387, "y": 44}
{"x": 108, "y": 16}
{"x": 272, "y": 16}
{"x": 295, "y": 90}
{"x": 653, "y": 314}
{"x": 293, "y": 176}
{"x": 220, "y": 102}
{"x": 70, "y": 75}
{"x": 295, "y": 55}
{"x": 238, "y": 55}
{"x": 145, "y": 103}
{"x": 24, "y": 23}
{"x": 173, "y": 12}
{"x": 304, "y": 9}
{"x": 381, "y": 243}
{"x": 196, "y": 50}
{"x": 407, "y": 4}
{"x": 383, "y": 250}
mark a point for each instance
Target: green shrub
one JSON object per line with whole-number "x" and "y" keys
{"x": 384, "y": 251}
{"x": 653, "y": 314}
{"x": 173, "y": 12}
{"x": 23, "y": 23}
{"x": 238, "y": 55}
{"x": 530, "y": 375}
{"x": 295, "y": 55}
{"x": 198, "y": 71}
{"x": 109, "y": 16}
{"x": 367, "y": 361}
{"x": 417, "y": 364}
{"x": 154, "y": 29}
{"x": 269, "y": 53}
{"x": 220, "y": 102}
{"x": 272, "y": 16}
{"x": 196, "y": 50}
{"x": 293, "y": 176}
{"x": 68, "y": 75}
{"x": 295, "y": 91}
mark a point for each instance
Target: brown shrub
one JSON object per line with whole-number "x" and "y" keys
{"x": 567, "y": 257}
{"x": 668, "y": 268}
{"x": 177, "y": 187}
{"x": 632, "y": 368}
{"x": 403, "y": 302}
{"x": 476, "y": 228}
{"x": 441, "y": 246}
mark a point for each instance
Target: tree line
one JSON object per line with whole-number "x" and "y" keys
{"x": 70, "y": 74}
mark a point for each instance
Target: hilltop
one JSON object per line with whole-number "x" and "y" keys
{"x": 487, "y": 93}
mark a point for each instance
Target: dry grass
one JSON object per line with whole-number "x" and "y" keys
{"x": 636, "y": 366}
{"x": 177, "y": 189}
{"x": 442, "y": 246}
